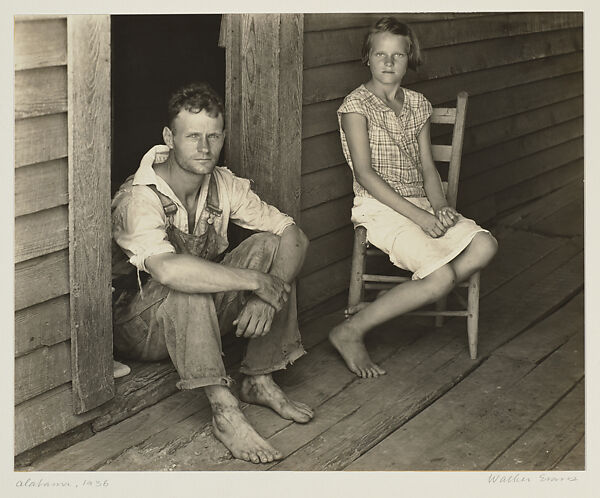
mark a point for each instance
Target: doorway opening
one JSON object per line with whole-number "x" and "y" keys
{"x": 152, "y": 56}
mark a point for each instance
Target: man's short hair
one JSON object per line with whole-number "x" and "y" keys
{"x": 195, "y": 98}
{"x": 396, "y": 27}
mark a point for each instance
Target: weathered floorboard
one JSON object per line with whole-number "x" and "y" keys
{"x": 550, "y": 439}
{"x": 478, "y": 419}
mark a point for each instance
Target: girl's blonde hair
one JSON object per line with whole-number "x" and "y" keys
{"x": 395, "y": 27}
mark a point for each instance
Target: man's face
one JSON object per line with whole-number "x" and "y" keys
{"x": 196, "y": 140}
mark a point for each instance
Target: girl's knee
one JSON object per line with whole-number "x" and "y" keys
{"x": 442, "y": 280}
{"x": 486, "y": 245}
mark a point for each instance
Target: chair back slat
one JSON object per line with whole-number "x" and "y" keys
{"x": 457, "y": 145}
{"x": 443, "y": 115}
{"x": 441, "y": 152}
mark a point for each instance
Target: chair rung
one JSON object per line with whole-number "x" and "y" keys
{"x": 420, "y": 313}
{"x": 438, "y": 313}
{"x": 383, "y": 278}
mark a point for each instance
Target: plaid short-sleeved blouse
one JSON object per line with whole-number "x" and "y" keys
{"x": 393, "y": 139}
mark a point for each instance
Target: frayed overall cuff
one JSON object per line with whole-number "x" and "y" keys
{"x": 203, "y": 382}
{"x": 288, "y": 359}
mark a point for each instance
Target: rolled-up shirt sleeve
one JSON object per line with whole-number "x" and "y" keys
{"x": 249, "y": 211}
{"x": 139, "y": 228}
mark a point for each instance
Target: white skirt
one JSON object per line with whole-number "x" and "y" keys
{"x": 407, "y": 245}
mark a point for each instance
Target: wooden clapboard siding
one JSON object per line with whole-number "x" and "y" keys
{"x": 40, "y": 233}
{"x": 40, "y": 279}
{"x": 40, "y": 91}
{"x": 40, "y": 139}
{"x": 43, "y": 324}
{"x": 325, "y": 185}
{"x": 324, "y": 218}
{"x": 41, "y": 186}
{"x": 328, "y": 249}
{"x": 46, "y": 416}
{"x": 344, "y": 44}
{"x": 51, "y": 96}
{"x": 323, "y": 82}
{"x": 41, "y": 370}
{"x": 523, "y": 73}
{"x": 343, "y": 20}
{"x": 320, "y": 118}
{"x": 323, "y": 284}
{"x": 40, "y": 42}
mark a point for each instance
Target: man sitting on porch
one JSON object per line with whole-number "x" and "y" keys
{"x": 170, "y": 221}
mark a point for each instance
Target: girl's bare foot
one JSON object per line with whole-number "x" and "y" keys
{"x": 262, "y": 390}
{"x": 231, "y": 427}
{"x": 350, "y": 345}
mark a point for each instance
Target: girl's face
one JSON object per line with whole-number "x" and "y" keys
{"x": 388, "y": 57}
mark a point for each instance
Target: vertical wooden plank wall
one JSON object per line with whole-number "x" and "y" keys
{"x": 264, "y": 103}
{"x": 42, "y": 287}
{"x": 89, "y": 210}
{"x": 524, "y": 137}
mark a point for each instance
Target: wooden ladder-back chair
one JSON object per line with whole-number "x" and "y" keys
{"x": 361, "y": 281}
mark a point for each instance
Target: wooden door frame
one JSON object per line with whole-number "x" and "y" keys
{"x": 263, "y": 103}
{"x": 89, "y": 145}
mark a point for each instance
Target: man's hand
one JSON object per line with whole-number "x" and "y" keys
{"x": 255, "y": 318}
{"x": 273, "y": 290}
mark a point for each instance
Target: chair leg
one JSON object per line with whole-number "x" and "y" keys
{"x": 356, "y": 289}
{"x": 440, "y": 306}
{"x": 473, "y": 316}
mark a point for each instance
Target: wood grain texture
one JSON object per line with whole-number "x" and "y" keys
{"x": 325, "y": 185}
{"x": 321, "y": 117}
{"x": 323, "y": 284}
{"x": 42, "y": 370}
{"x": 271, "y": 112}
{"x": 40, "y": 91}
{"x": 231, "y": 37}
{"x": 340, "y": 20}
{"x": 325, "y": 218}
{"x": 530, "y": 137}
{"x": 327, "y": 83}
{"x": 43, "y": 324}
{"x": 41, "y": 186}
{"x": 40, "y": 139}
{"x": 89, "y": 210}
{"x": 40, "y": 279}
{"x": 346, "y": 44}
{"x": 321, "y": 151}
{"x": 40, "y": 43}
{"x": 502, "y": 177}
{"x": 41, "y": 233}
{"x": 328, "y": 249}
{"x": 46, "y": 416}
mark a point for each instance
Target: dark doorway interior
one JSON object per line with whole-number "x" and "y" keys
{"x": 152, "y": 55}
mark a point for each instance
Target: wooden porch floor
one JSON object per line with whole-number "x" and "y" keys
{"x": 519, "y": 406}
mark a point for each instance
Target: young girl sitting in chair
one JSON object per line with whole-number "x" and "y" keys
{"x": 398, "y": 195}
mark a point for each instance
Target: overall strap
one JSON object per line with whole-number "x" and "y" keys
{"x": 212, "y": 201}
{"x": 169, "y": 207}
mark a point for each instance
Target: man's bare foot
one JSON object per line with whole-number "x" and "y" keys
{"x": 231, "y": 427}
{"x": 262, "y": 390}
{"x": 350, "y": 345}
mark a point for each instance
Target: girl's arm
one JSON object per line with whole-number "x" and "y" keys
{"x": 432, "y": 181}
{"x": 355, "y": 129}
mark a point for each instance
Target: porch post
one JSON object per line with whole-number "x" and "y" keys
{"x": 264, "y": 56}
{"x": 89, "y": 209}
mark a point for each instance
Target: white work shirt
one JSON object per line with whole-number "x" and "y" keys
{"x": 139, "y": 222}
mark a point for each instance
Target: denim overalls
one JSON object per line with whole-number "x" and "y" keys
{"x": 152, "y": 321}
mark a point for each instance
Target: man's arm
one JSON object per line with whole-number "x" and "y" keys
{"x": 187, "y": 273}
